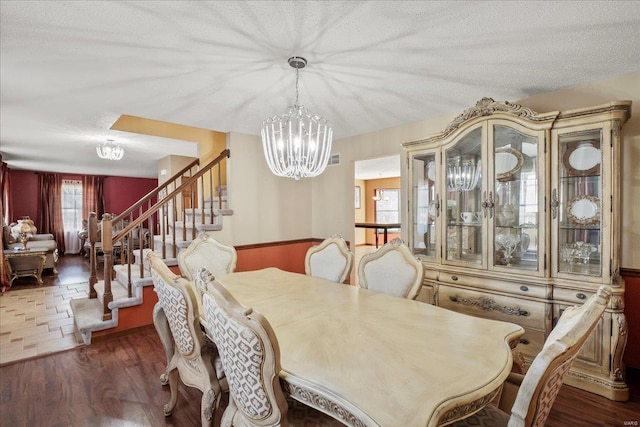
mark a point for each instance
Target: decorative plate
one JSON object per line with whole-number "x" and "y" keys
{"x": 584, "y": 210}
{"x": 508, "y": 162}
{"x": 430, "y": 172}
{"x": 582, "y": 158}
{"x": 432, "y": 211}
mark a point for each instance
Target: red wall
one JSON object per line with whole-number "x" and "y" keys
{"x": 119, "y": 192}
{"x": 24, "y": 194}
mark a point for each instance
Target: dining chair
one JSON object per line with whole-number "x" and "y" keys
{"x": 205, "y": 251}
{"x": 392, "y": 269}
{"x": 251, "y": 358}
{"x": 534, "y": 393}
{"x": 195, "y": 360}
{"x": 331, "y": 260}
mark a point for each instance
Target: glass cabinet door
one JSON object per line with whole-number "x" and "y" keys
{"x": 462, "y": 209}
{"x": 516, "y": 198}
{"x": 426, "y": 206}
{"x": 577, "y": 203}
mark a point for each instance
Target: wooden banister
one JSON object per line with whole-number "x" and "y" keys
{"x": 109, "y": 240}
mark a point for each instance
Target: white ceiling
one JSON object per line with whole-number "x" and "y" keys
{"x": 68, "y": 70}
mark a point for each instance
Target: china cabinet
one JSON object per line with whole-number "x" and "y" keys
{"x": 515, "y": 216}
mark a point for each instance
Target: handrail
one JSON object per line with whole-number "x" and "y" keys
{"x": 156, "y": 191}
{"x": 109, "y": 239}
{"x": 154, "y": 208}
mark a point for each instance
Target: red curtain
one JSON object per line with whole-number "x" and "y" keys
{"x": 5, "y": 215}
{"x": 50, "y": 207}
{"x": 92, "y": 195}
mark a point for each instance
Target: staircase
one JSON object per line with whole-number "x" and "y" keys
{"x": 193, "y": 201}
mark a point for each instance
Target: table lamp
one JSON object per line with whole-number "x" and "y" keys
{"x": 25, "y": 229}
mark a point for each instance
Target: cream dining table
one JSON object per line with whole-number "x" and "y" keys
{"x": 371, "y": 359}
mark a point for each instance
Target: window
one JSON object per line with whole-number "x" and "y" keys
{"x": 72, "y": 205}
{"x": 387, "y": 206}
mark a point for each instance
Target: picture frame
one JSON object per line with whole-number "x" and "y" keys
{"x": 356, "y": 200}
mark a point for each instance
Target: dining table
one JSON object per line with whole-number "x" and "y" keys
{"x": 372, "y": 359}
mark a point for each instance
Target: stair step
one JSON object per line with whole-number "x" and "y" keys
{"x": 87, "y": 317}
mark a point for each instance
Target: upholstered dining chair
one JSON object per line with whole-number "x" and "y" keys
{"x": 331, "y": 260}
{"x": 251, "y": 358}
{"x": 195, "y": 359}
{"x": 392, "y": 269}
{"x": 536, "y": 391}
{"x": 205, "y": 251}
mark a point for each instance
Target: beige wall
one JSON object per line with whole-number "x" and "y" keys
{"x": 266, "y": 208}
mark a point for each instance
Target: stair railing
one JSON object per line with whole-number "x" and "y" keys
{"x": 136, "y": 226}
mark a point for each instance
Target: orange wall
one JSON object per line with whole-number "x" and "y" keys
{"x": 288, "y": 256}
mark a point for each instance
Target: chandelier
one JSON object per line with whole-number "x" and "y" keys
{"x": 463, "y": 174}
{"x": 296, "y": 144}
{"x": 110, "y": 150}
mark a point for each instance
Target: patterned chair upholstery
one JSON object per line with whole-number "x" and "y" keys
{"x": 331, "y": 260}
{"x": 251, "y": 359}
{"x": 205, "y": 251}
{"x": 195, "y": 359}
{"x": 393, "y": 270}
{"x": 542, "y": 382}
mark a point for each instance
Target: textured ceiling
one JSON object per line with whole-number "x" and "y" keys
{"x": 68, "y": 70}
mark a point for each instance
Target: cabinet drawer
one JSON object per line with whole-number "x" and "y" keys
{"x": 530, "y": 344}
{"x": 528, "y": 314}
{"x": 572, "y": 296}
{"x": 521, "y": 289}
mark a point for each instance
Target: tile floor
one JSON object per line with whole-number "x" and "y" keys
{"x": 37, "y": 320}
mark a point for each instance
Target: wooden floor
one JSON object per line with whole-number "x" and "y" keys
{"x": 115, "y": 382}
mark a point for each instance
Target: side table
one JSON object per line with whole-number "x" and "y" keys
{"x": 24, "y": 263}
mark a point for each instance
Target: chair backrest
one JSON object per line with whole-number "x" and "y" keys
{"x": 178, "y": 300}
{"x": 250, "y": 356}
{"x": 205, "y": 251}
{"x": 543, "y": 380}
{"x": 331, "y": 260}
{"x": 392, "y": 269}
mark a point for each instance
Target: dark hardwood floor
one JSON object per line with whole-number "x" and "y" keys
{"x": 115, "y": 382}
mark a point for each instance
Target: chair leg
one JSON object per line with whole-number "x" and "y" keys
{"x": 229, "y": 413}
{"x": 173, "y": 386}
{"x": 208, "y": 406}
{"x": 162, "y": 327}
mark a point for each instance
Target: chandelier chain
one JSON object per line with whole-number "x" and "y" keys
{"x": 297, "y": 91}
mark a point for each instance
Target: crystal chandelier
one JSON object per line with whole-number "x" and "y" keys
{"x": 296, "y": 144}
{"x": 463, "y": 174}
{"x": 110, "y": 150}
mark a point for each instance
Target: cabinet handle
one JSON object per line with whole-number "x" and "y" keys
{"x": 554, "y": 203}
{"x": 487, "y": 204}
{"x": 491, "y": 204}
{"x": 437, "y": 205}
{"x": 580, "y": 295}
{"x": 524, "y": 288}
{"x": 524, "y": 341}
{"x": 455, "y": 278}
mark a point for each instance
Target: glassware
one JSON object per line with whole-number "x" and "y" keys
{"x": 508, "y": 243}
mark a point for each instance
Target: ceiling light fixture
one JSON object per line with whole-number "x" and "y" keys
{"x": 110, "y": 150}
{"x": 297, "y": 144}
